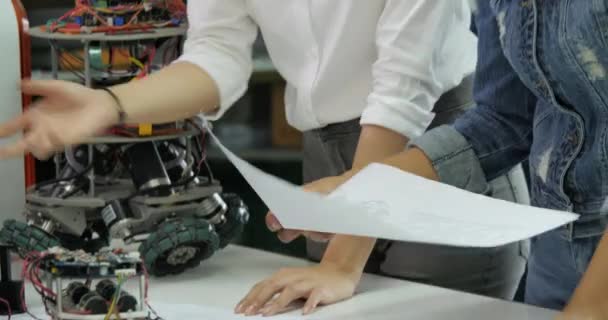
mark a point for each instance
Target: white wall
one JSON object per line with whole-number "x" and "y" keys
{"x": 12, "y": 175}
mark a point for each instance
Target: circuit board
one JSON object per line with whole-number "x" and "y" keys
{"x": 116, "y": 16}
{"x": 79, "y": 264}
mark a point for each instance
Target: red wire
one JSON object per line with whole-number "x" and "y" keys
{"x": 177, "y": 9}
{"x": 146, "y": 282}
{"x": 8, "y": 308}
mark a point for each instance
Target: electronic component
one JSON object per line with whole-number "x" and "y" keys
{"x": 126, "y": 302}
{"x": 92, "y": 16}
{"x": 158, "y": 192}
{"x": 93, "y": 286}
{"x": 93, "y": 303}
{"x": 147, "y": 170}
{"x": 81, "y": 264}
{"x": 75, "y": 292}
{"x": 107, "y": 289}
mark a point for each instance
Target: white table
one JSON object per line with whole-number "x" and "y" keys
{"x": 224, "y": 279}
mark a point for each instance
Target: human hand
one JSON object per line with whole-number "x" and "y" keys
{"x": 322, "y": 284}
{"x": 322, "y": 186}
{"x": 66, "y": 114}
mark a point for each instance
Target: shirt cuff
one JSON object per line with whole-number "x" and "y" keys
{"x": 409, "y": 122}
{"x": 453, "y": 158}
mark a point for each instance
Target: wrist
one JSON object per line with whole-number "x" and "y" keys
{"x": 113, "y": 106}
{"x": 350, "y": 270}
{"x": 349, "y": 253}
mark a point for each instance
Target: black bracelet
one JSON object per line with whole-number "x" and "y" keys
{"x": 122, "y": 115}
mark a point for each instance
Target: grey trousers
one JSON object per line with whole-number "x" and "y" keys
{"x": 493, "y": 272}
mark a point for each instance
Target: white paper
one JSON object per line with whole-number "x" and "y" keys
{"x": 430, "y": 212}
{"x": 295, "y": 208}
{"x": 384, "y": 202}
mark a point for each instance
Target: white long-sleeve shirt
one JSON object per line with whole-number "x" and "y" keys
{"x": 386, "y": 61}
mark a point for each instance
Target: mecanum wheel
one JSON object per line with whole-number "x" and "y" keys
{"x": 27, "y": 238}
{"x": 178, "y": 245}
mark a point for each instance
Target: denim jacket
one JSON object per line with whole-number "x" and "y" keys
{"x": 541, "y": 91}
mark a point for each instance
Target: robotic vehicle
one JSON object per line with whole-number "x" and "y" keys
{"x": 147, "y": 190}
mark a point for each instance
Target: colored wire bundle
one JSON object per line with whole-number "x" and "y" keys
{"x": 113, "y": 308}
{"x": 176, "y": 9}
{"x": 31, "y": 272}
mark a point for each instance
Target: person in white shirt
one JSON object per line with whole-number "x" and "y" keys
{"x": 363, "y": 77}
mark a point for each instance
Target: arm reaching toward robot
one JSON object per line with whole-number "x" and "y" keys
{"x": 67, "y": 113}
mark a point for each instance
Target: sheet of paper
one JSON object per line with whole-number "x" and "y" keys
{"x": 295, "y": 208}
{"x": 384, "y": 202}
{"x": 430, "y": 212}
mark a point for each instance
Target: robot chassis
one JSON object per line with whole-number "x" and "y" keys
{"x": 146, "y": 190}
{"x": 139, "y": 189}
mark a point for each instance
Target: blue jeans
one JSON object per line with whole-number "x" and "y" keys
{"x": 555, "y": 267}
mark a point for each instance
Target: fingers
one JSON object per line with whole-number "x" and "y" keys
{"x": 287, "y": 235}
{"x": 273, "y": 223}
{"x": 16, "y": 149}
{"x": 289, "y": 294}
{"x": 315, "y": 298}
{"x": 13, "y": 127}
{"x": 41, "y": 87}
{"x": 40, "y": 145}
{"x": 258, "y": 297}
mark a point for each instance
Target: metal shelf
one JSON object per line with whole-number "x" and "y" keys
{"x": 38, "y": 32}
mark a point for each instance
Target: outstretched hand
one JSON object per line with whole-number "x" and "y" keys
{"x": 65, "y": 114}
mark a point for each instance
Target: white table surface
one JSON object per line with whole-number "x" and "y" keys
{"x": 224, "y": 279}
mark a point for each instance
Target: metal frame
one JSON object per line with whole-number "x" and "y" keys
{"x": 57, "y": 313}
{"x": 86, "y": 39}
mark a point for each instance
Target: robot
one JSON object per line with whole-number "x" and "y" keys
{"x": 154, "y": 190}
{"x": 150, "y": 191}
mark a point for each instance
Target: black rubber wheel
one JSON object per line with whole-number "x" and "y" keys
{"x": 235, "y": 220}
{"x": 27, "y": 238}
{"x": 178, "y": 245}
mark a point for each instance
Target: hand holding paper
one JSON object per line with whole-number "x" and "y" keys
{"x": 373, "y": 204}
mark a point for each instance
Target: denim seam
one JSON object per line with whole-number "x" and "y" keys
{"x": 541, "y": 119}
{"x": 451, "y": 156}
{"x": 604, "y": 36}
{"x": 578, "y": 65}
{"x": 489, "y": 154}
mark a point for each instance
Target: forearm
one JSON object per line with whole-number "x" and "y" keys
{"x": 376, "y": 143}
{"x": 177, "y": 92}
{"x": 350, "y": 252}
{"x": 590, "y": 300}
